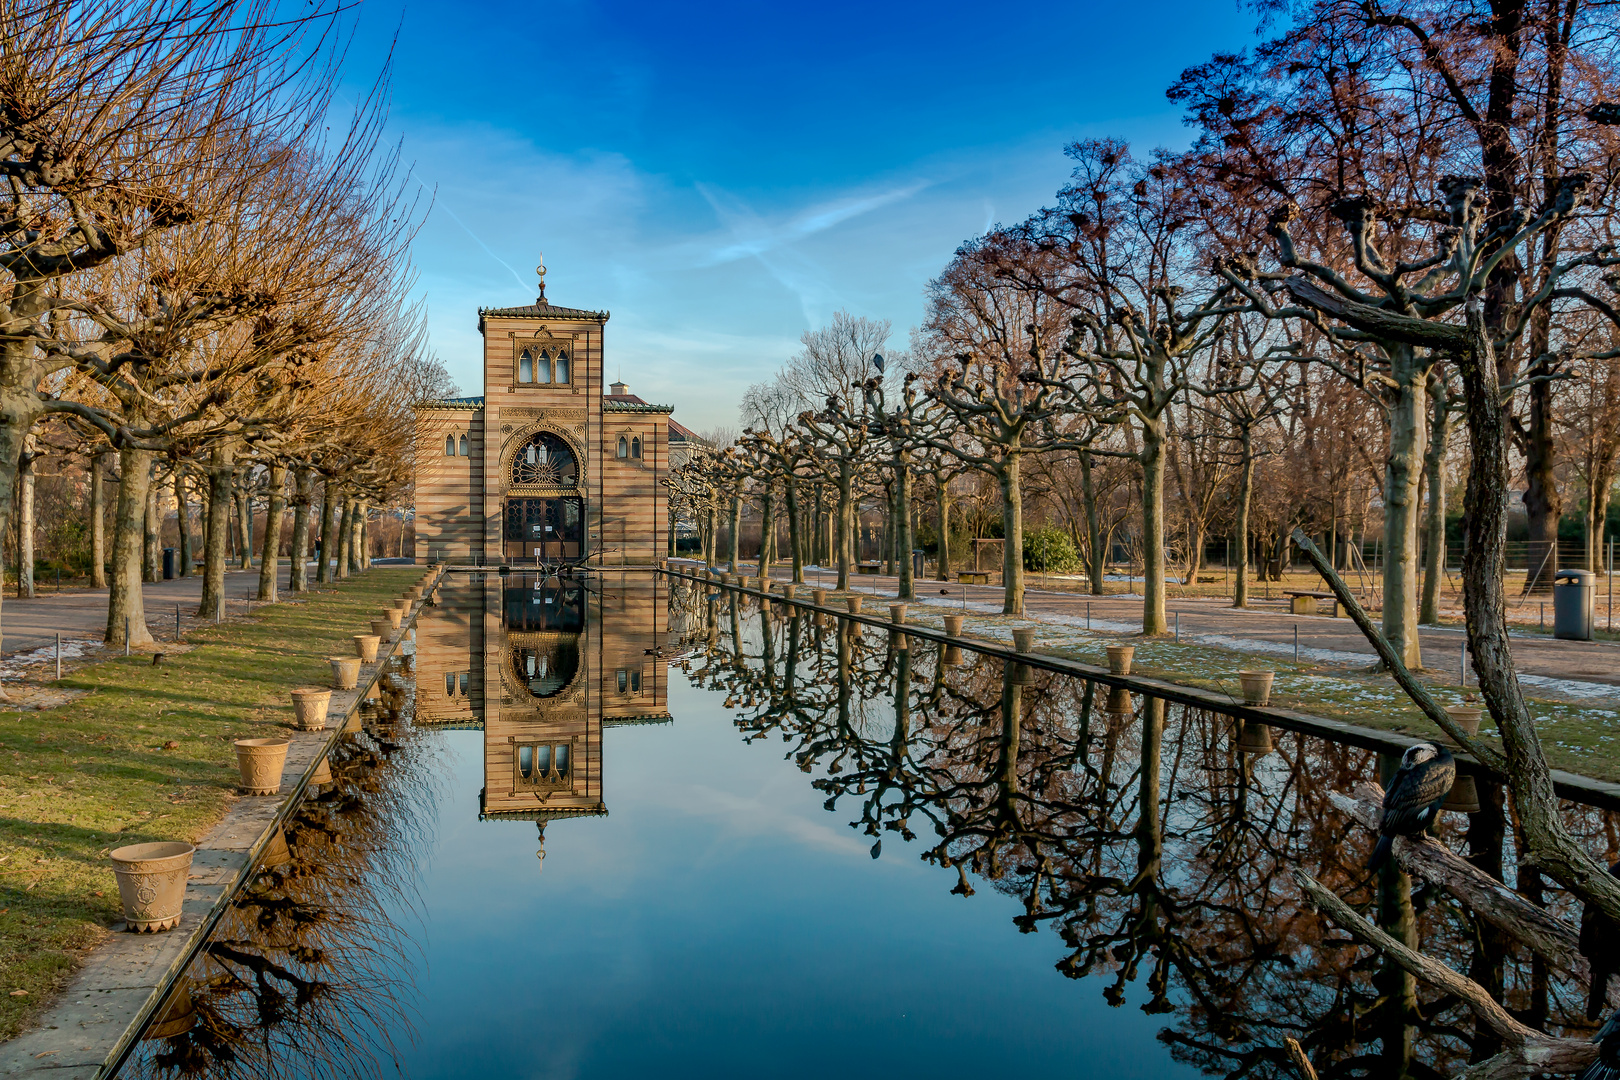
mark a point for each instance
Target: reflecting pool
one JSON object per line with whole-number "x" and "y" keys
{"x": 624, "y": 826}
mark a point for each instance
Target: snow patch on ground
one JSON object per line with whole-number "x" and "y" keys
{"x": 72, "y": 649}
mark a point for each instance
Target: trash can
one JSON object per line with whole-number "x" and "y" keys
{"x": 1574, "y": 601}
{"x": 916, "y": 562}
{"x": 168, "y": 564}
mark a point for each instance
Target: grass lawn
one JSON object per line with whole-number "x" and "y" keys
{"x": 144, "y": 753}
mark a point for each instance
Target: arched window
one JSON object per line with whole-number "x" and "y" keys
{"x": 542, "y": 368}
{"x": 449, "y": 684}
{"x": 624, "y": 447}
{"x": 562, "y": 366}
{"x": 449, "y": 446}
{"x": 635, "y": 682}
{"x": 464, "y": 446}
{"x": 545, "y": 460}
{"x": 526, "y": 367}
{"x": 635, "y": 448}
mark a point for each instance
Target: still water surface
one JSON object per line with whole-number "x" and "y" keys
{"x": 603, "y": 829}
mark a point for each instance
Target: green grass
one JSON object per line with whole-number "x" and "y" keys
{"x": 85, "y": 777}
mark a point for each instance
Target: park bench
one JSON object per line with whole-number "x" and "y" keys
{"x": 973, "y": 577}
{"x": 868, "y": 567}
{"x": 1303, "y": 602}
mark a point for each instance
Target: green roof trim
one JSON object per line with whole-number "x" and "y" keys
{"x": 543, "y": 311}
{"x": 471, "y": 404}
{"x": 609, "y": 405}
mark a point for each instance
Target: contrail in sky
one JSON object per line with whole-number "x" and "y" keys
{"x": 439, "y": 202}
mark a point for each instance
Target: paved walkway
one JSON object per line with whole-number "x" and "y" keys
{"x": 79, "y": 614}
{"x": 1574, "y": 668}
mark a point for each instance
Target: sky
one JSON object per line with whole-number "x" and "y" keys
{"x": 722, "y": 177}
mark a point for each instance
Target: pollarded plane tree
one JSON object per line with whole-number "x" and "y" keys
{"x": 999, "y": 374}
{"x": 769, "y": 410}
{"x": 941, "y": 469}
{"x": 826, "y": 375}
{"x": 120, "y": 125}
{"x": 1117, "y": 255}
{"x": 910, "y": 423}
{"x": 694, "y": 494}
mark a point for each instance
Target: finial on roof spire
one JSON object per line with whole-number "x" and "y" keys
{"x": 541, "y": 270}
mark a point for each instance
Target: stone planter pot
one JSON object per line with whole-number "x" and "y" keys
{"x": 1022, "y": 674}
{"x": 309, "y": 707}
{"x": 952, "y": 656}
{"x": 1119, "y": 658}
{"x": 1256, "y": 686}
{"x": 365, "y": 647}
{"x": 788, "y": 591}
{"x": 818, "y": 597}
{"x": 1023, "y": 640}
{"x": 345, "y": 672}
{"x": 260, "y": 762}
{"x": 953, "y": 625}
{"x": 414, "y": 593}
{"x": 381, "y": 629}
{"x": 1120, "y": 702}
{"x": 322, "y": 773}
{"x": 401, "y": 606}
{"x": 152, "y": 883}
{"x": 854, "y": 603}
{"x": 897, "y": 614}
{"x": 1465, "y": 717}
{"x": 1254, "y": 738}
{"x": 353, "y": 724}
{"x": 395, "y": 617}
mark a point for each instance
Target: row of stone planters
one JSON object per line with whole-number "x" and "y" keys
{"x": 152, "y": 877}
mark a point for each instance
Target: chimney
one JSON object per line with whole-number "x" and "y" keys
{"x": 618, "y": 389}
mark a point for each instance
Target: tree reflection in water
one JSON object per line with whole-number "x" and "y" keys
{"x": 304, "y": 974}
{"x": 1143, "y": 835}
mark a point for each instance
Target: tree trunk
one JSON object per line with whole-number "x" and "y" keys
{"x": 711, "y": 534}
{"x": 1240, "y": 595}
{"x": 903, "y": 537}
{"x": 1397, "y": 986}
{"x": 1543, "y": 502}
{"x": 98, "y": 520}
{"x": 1599, "y": 482}
{"x": 244, "y": 512}
{"x": 734, "y": 527}
{"x": 331, "y": 503}
{"x": 844, "y": 532}
{"x": 303, "y": 497}
{"x": 151, "y": 540}
{"x": 344, "y": 538}
{"x": 1408, "y": 431}
{"x": 767, "y": 531}
{"x": 1153, "y": 616}
{"x": 26, "y": 472}
{"x": 942, "y": 511}
{"x": 1096, "y": 543}
{"x": 1548, "y": 844}
{"x": 221, "y": 474}
{"x": 1012, "y": 532}
{"x": 1434, "y": 521}
{"x": 124, "y": 600}
{"x": 182, "y": 517}
{"x": 269, "y": 563}
{"x": 360, "y": 547}
{"x": 795, "y": 529}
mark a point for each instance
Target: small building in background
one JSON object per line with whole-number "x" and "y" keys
{"x": 549, "y": 463}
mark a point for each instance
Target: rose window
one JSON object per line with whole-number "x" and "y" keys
{"x": 545, "y": 461}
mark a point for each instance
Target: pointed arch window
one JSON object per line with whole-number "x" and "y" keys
{"x": 562, "y": 366}
{"x": 526, "y": 367}
{"x": 624, "y": 447}
{"x": 464, "y": 446}
{"x": 542, "y": 368}
{"x": 635, "y": 448}
{"x": 449, "y": 446}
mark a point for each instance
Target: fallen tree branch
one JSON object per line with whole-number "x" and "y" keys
{"x": 1415, "y": 690}
{"x": 1528, "y": 1051}
{"x": 1532, "y": 926}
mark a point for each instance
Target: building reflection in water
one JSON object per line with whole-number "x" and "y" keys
{"x": 541, "y": 664}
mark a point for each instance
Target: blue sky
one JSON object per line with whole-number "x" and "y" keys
{"x": 723, "y": 176}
